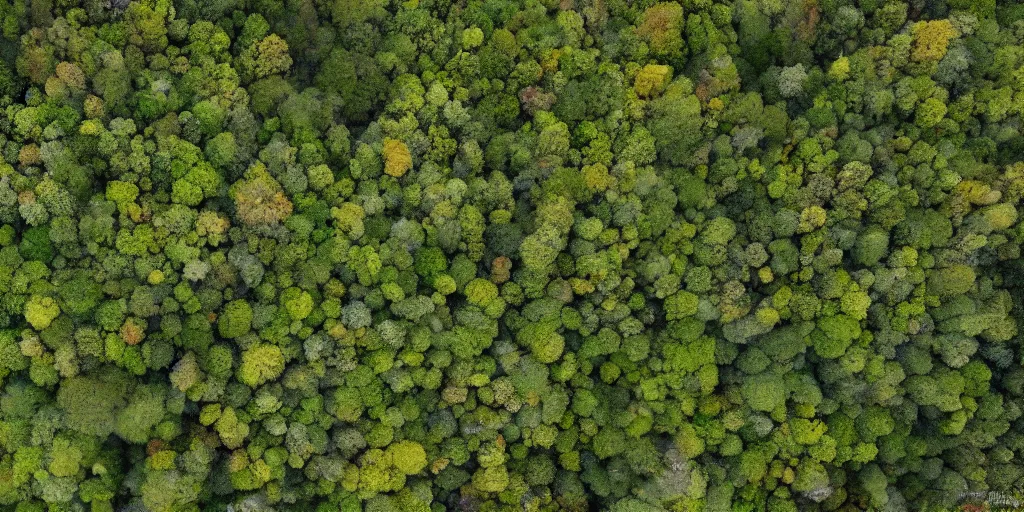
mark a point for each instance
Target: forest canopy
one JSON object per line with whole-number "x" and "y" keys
{"x": 510, "y": 255}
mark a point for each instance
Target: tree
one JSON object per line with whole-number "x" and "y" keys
{"x": 951, "y": 281}
{"x": 651, "y": 80}
{"x": 268, "y": 56}
{"x": 40, "y": 311}
{"x": 675, "y": 122}
{"x": 764, "y": 392}
{"x": 408, "y": 457}
{"x": 260, "y": 364}
{"x": 235, "y": 320}
{"x": 791, "y": 81}
{"x": 259, "y": 199}
{"x": 834, "y": 335}
{"x": 92, "y": 403}
{"x": 931, "y": 39}
{"x": 661, "y": 25}
{"x": 397, "y": 160}
{"x": 872, "y": 245}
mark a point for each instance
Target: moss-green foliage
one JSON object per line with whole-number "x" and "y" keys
{"x": 507, "y": 255}
{"x": 235, "y": 319}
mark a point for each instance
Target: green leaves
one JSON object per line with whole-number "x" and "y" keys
{"x": 235, "y": 320}
{"x": 260, "y": 364}
{"x": 834, "y": 335}
{"x": 40, "y": 311}
{"x": 764, "y": 392}
{"x": 503, "y": 255}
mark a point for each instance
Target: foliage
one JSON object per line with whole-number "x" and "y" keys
{"x": 506, "y": 255}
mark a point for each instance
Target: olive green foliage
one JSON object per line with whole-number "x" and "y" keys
{"x": 510, "y": 255}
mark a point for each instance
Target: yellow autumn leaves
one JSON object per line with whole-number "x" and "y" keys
{"x": 397, "y": 159}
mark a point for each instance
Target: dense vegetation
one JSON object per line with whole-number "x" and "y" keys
{"x": 506, "y": 255}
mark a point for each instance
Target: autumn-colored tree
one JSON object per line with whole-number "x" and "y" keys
{"x": 397, "y": 160}
{"x": 259, "y": 198}
{"x": 931, "y": 39}
{"x": 661, "y": 25}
